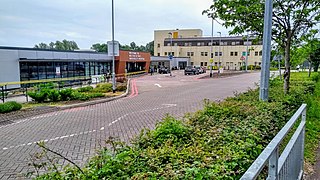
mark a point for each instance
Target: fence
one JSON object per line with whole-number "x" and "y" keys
{"x": 80, "y": 80}
{"x": 290, "y": 164}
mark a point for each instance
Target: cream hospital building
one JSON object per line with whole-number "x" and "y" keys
{"x": 191, "y": 43}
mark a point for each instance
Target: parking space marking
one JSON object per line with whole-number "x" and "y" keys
{"x": 158, "y": 85}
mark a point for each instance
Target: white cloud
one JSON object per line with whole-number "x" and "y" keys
{"x": 26, "y": 23}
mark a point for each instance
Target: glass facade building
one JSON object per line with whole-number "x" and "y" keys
{"x": 36, "y": 70}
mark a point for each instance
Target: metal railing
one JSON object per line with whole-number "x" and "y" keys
{"x": 290, "y": 164}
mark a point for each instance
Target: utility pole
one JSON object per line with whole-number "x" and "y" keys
{"x": 266, "y": 53}
{"x": 247, "y": 51}
{"x": 113, "y": 58}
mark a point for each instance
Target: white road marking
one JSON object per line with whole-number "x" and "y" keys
{"x": 158, "y": 85}
{"x": 88, "y": 132}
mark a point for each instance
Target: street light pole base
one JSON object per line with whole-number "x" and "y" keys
{"x": 210, "y": 74}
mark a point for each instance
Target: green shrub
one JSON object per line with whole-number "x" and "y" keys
{"x": 95, "y": 95}
{"x": 121, "y": 87}
{"x": 53, "y": 95}
{"x": 85, "y": 89}
{"x": 9, "y": 107}
{"x": 38, "y": 96}
{"x": 103, "y": 88}
{"x": 66, "y": 94}
{"x": 79, "y": 96}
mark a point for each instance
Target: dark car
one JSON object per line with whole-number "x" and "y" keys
{"x": 164, "y": 70}
{"x": 191, "y": 70}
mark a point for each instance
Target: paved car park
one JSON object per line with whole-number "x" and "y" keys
{"x": 77, "y": 133}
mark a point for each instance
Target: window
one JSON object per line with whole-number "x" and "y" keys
{"x": 198, "y": 44}
{"x": 225, "y": 43}
{"x": 205, "y": 63}
{"x": 256, "y": 53}
{"x": 260, "y": 53}
{"x": 216, "y": 53}
{"x": 233, "y": 43}
{"x": 201, "y": 63}
{"x": 191, "y": 54}
{"x": 165, "y": 53}
{"x": 175, "y": 44}
{"x": 172, "y": 53}
{"x": 235, "y": 53}
{"x": 231, "y": 53}
{"x": 158, "y": 45}
{"x": 158, "y": 54}
{"x": 168, "y": 44}
{"x": 186, "y": 44}
{"x": 220, "y": 53}
{"x": 191, "y": 63}
{"x": 211, "y": 55}
{"x": 237, "y": 43}
{"x": 202, "y": 53}
{"x": 188, "y": 53}
{"x": 205, "y": 53}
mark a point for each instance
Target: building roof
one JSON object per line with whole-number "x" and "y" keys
{"x": 54, "y": 50}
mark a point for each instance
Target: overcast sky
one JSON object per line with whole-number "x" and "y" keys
{"x": 24, "y": 23}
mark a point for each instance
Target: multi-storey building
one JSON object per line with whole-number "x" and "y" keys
{"x": 229, "y": 51}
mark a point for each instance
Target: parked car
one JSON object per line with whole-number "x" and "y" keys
{"x": 191, "y": 70}
{"x": 199, "y": 69}
{"x": 164, "y": 70}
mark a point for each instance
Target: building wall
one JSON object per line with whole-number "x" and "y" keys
{"x": 132, "y": 57}
{"x": 160, "y": 35}
{"x": 9, "y": 66}
{"x": 201, "y": 55}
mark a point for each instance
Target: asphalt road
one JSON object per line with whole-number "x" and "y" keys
{"x": 77, "y": 133}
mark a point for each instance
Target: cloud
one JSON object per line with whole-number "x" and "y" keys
{"x": 26, "y": 23}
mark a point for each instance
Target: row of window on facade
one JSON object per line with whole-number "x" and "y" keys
{"x": 233, "y": 53}
{"x": 215, "y": 43}
{"x": 49, "y": 70}
{"x": 228, "y": 64}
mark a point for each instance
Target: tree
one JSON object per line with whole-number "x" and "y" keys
{"x": 41, "y": 46}
{"x": 150, "y": 47}
{"x": 291, "y": 19}
{"x": 58, "y": 45}
{"x": 100, "y": 47}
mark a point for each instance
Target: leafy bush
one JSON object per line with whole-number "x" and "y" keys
{"x": 53, "y": 95}
{"x": 38, "y": 96}
{"x": 66, "y": 94}
{"x": 121, "y": 87}
{"x": 103, "y": 88}
{"x": 9, "y": 107}
{"x": 85, "y": 89}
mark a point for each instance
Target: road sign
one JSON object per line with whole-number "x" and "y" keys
{"x": 242, "y": 58}
{"x": 244, "y": 53}
{"x": 110, "y": 48}
{"x": 170, "y": 57}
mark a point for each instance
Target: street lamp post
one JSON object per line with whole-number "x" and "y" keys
{"x": 219, "y": 53}
{"x": 247, "y": 51}
{"x": 211, "y": 49}
{"x": 113, "y": 58}
{"x": 170, "y": 56}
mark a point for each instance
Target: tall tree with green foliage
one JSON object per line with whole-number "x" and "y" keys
{"x": 58, "y": 45}
{"x": 291, "y": 19}
{"x": 150, "y": 48}
{"x": 100, "y": 47}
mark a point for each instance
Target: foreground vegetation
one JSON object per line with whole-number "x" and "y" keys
{"x": 49, "y": 93}
{"x": 218, "y": 142}
{"x": 9, "y": 107}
